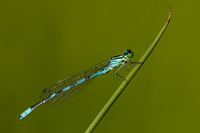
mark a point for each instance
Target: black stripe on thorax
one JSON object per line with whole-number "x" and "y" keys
{"x": 117, "y": 57}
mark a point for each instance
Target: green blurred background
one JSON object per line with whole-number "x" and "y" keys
{"x": 45, "y": 41}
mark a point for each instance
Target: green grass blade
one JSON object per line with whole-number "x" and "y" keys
{"x": 130, "y": 76}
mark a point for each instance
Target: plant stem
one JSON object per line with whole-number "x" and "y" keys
{"x": 130, "y": 76}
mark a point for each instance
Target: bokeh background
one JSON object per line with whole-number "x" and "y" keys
{"x": 43, "y": 41}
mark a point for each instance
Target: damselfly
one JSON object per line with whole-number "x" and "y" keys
{"x": 67, "y": 87}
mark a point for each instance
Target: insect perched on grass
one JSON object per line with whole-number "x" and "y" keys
{"x": 67, "y": 87}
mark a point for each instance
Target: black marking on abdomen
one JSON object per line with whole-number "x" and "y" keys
{"x": 71, "y": 86}
{"x": 59, "y": 92}
{"x": 88, "y": 77}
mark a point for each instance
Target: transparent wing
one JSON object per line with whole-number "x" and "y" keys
{"x": 60, "y": 85}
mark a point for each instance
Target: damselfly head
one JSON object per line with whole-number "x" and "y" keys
{"x": 129, "y": 53}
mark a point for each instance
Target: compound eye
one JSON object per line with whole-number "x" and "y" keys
{"x": 128, "y": 51}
